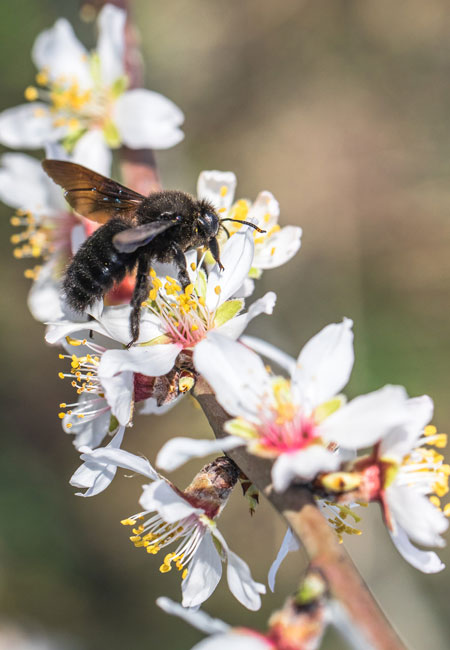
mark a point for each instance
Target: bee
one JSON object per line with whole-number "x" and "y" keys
{"x": 136, "y": 231}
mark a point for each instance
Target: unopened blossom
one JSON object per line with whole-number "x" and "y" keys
{"x": 273, "y": 248}
{"x": 302, "y": 423}
{"x": 173, "y": 320}
{"x": 183, "y": 520}
{"x": 408, "y": 478}
{"x": 81, "y": 98}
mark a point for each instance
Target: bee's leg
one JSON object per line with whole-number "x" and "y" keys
{"x": 140, "y": 294}
{"x": 180, "y": 261}
{"x": 214, "y": 248}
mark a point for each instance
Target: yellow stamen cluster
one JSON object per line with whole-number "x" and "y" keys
{"x": 152, "y": 542}
{"x": 285, "y": 409}
{"x": 338, "y": 522}
{"x": 34, "y": 241}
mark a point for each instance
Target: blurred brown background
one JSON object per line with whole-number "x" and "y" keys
{"x": 340, "y": 108}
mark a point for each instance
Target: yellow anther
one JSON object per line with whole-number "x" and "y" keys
{"x": 184, "y": 574}
{"x": 61, "y": 375}
{"x": 42, "y": 78}
{"x": 138, "y": 530}
{"x": 128, "y": 522}
{"x": 80, "y": 416}
{"x": 217, "y": 290}
{"x": 63, "y": 405}
{"x": 435, "y": 501}
{"x": 447, "y": 510}
{"x": 222, "y": 210}
{"x": 193, "y": 266}
{"x": 223, "y": 190}
{"x": 194, "y": 328}
{"x": 430, "y": 430}
{"x": 135, "y": 538}
{"x": 267, "y": 217}
{"x": 272, "y": 250}
{"x": 69, "y": 425}
{"x": 189, "y": 289}
{"x": 61, "y": 415}
{"x": 72, "y": 341}
{"x": 165, "y": 568}
{"x": 31, "y": 93}
{"x": 152, "y": 273}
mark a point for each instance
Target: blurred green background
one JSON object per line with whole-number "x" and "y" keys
{"x": 340, "y": 108}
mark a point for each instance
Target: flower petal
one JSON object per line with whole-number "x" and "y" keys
{"x": 60, "y": 53}
{"x": 419, "y": 518}
{"x": 269, "y": 351}
{"x": 401, "y": 440}
{"x": 201, "y": 620}
{"x": 119, "y": 391}
{"x": 367, "y": 419}
{"x": 426, "y": 561}
{"x": 241, "y": 583}
{"x": 289, "y": 543}
{"x": 161, "y": 497}
{"x": 218, "y": 188}
{"x": 44, "y": 296}
{"x": 204, "y": 573}
{"x": 91, "y": 151}
{"x": 113, "y": 456}
{"x": 29, "y": 126}
{"x": 178, "y": 451}
{"x": 235, "y": 640}
{"x": 93, "y": 475}
{"x": 111, "y": 43}
{"x": 324, "y": 364}
{"x": 88, "y": 432}
{"x": 237, "y": 375}
{"x": 302, "y": 465}
{"x": 234, "y": 327}
{"x": 147, "y": 119}
{"x": 278, "y": 248}
{"x": 152, "y": 361}
{"x": 237, "y": 257}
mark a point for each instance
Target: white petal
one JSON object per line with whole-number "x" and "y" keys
{"x": 44, "y": 298}
{"x": 302, "y": 465}
{"x": 93, "y": 475}
{"x": 152, "y": 361}
{"x": 42, "y": 196}
{"x": 279, "y": 248}
{"x": 367, "y": 419}
{"x": 28, "y": 125}
{"x": 236, "y": 374}
{"x": 88, "y": 432}
{"x": 119, "y": 391}
{"x": 62, "y": 55}
{"x": 112, "y": 456}
{"x": 234, "y": 640}
{"x": 162, "y": 498}
{"x": 234, "y": 327}
{"x": 324, "y": 364}
{"x": 218, "y": 188}
{"x": 201, "y": 620}
{"x": 270, "y": 351}
{"x": 421, "y": 520}
{"x": 147, "y": 119}
{"x": 241, "y": 583}
{"x": 111, "y": 43}
{"x": 91, "y": 151}
{"x": 178, "y": 451}
{"x": 426, "y": 561}
{"x": 204, "y": 573}
{"x": 265, "y": 207}
{"x": 399, "y": 442}
{"x": 289, "y": 544}
{"x": 237, "y": 258}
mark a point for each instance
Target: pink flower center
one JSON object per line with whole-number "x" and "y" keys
{"x": 282, "y": 435}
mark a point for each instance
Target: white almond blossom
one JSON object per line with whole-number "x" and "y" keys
{"x": 82, "y": 98}
{"x": 302, "y": 422}
{"x": 273, "y": 248}
{"x": 174, "y": 320}
{"x": 408, "y": 478}
{"x": 170, "y": 516}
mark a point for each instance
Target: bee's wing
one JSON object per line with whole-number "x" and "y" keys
{"x": 129, "y": 240}
{"x": 90, "y": 194}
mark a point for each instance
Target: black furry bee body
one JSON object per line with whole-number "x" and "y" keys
{"x": 136, "y": 232}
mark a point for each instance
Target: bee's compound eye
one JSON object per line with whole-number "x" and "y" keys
{"x": 209, "y": 223}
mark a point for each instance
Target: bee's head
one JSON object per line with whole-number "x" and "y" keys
{"x": 208, "y": 222}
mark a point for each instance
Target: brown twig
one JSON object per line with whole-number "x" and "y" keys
{"x": 298, "y": 508}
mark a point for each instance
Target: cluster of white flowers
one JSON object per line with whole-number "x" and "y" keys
{"x": 301, "y": 421}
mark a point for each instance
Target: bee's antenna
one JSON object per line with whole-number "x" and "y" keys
{"x": 247, "y": 223}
